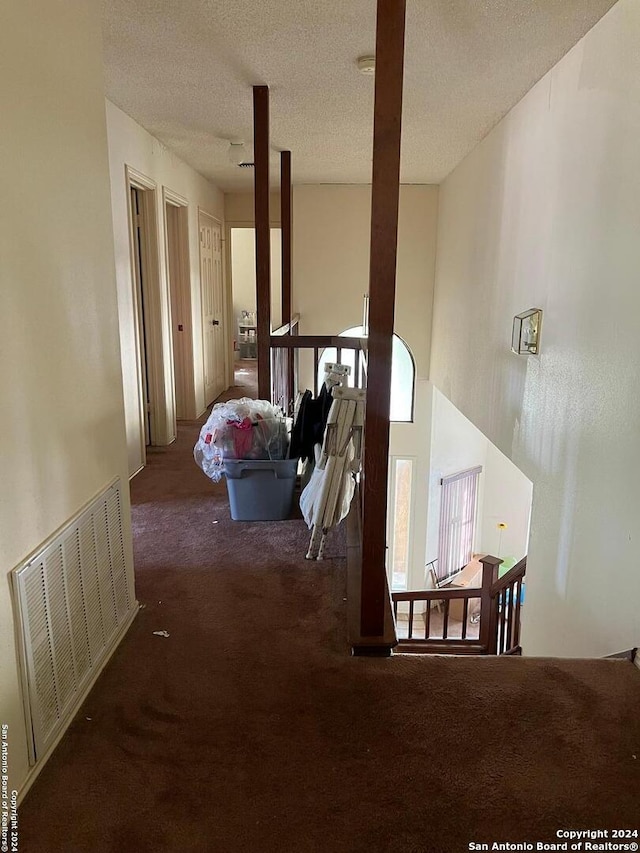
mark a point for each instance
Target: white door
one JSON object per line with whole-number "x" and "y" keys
{"x": 212, "y": 306}
{"x": 177, "y": 251}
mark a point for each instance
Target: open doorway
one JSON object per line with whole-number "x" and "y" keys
{"x": 156, "y": 411}
{"x": 140, "y": 238}
{"x": 213, "y": 311}
{"x": 243, "y": 288}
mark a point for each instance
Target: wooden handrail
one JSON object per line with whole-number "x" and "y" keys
{"x": 440, "y": 647}
{"x": 285, "y": 341}
{"x": 500, "y": 601}
{"x": 512, "y": 575}
{"x": 286, "y": 327}
{"x": 285, "y": 345}
{"x": 438, "y": 594}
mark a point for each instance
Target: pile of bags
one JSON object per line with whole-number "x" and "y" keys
{"x": 241, "y": 429}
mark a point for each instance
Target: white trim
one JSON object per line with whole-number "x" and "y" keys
{"x": 157, "y": 315}
{"x": 131, "y": 181}
{"x": 231, "y": 319}
{"x": 413, "y": 460}
{"x": 174, "y": 198}
{"x": 225, "y": 304}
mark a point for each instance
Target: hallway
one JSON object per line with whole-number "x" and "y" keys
{"x": 250, "y": 728}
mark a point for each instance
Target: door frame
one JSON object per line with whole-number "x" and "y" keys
{"x": 156, "y": 317}
{"x": 225, "y": 300}
{"x": 230, "y": 224}
{"x": 391, "y": 505}
{"x": 180, "y": 298}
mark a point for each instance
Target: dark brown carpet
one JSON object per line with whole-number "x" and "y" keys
{"x": 251, "y": 729}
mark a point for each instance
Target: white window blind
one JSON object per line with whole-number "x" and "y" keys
{"x": 457, "y": 521}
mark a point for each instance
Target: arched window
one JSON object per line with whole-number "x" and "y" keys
{"x": 402, "y": 373}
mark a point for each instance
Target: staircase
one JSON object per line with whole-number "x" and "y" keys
{"x": 497, "y": 631}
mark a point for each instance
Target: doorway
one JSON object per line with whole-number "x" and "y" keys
{"x": 151, "y": 311}
{"x": 139, "y": 244}
{"x": 243, "y": 287}
{"x": 177, "y": 246}
{"x": 213, "y": 314}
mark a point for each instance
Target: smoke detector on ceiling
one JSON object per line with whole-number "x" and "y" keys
{"x": 367, "y": 65}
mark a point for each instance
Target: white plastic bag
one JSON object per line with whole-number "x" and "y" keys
{"x": 241, "y": 429}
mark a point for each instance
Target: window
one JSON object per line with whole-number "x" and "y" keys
{"x": 402, "y": 373}
{"x": 457, "y": 521}
{"x": 399, "y": 515}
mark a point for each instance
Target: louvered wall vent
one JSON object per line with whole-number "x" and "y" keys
{"x": 74, "y": 600}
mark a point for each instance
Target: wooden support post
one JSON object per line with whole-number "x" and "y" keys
{"x": 385, "y": 190}
{"x": 488, "y": 611}
{"x": 286, "y": 224}
{"x": 263, "y": 236}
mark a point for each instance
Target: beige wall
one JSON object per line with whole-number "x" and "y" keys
{"x": 331, "y": 237}
{"x": 504, "y": 494}
{"x": 331, "y": 234}
{"x": 131, "y": 145}
{"x": 239, "y": 208}
{"x": 545, "y": 213}
{"x": 243, "y": 273}
{"x": 62, "y": 433}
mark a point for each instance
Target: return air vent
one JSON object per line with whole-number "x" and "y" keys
{"x": 74, "y": 601}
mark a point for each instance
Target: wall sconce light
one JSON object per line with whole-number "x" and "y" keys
{"x": 525, "y": 338}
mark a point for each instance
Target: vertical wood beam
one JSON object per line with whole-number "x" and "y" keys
{"x": 263, "y": 238}
{"x": 488, "y": 606}
{"x": 385, "y": 189}
{"x": 286, "y": 224}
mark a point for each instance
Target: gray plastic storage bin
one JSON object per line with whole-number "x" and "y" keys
{"x": 260, "y": 490}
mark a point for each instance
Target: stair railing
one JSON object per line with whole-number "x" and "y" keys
{"x": 497, "y": 601}
{"x": 285, "y": 367}
{"x": 286, "y": 344}
{"x": 506, "y": 596}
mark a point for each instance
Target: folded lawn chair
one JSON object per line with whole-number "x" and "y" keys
{"x": 326, "y": 499}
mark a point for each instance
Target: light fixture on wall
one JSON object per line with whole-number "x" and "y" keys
{"x": 237, "y": 153}
{"x": 502, "y": 526}
{"x": 525, "y": 336}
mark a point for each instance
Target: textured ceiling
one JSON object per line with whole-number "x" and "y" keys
{"x": 184, "y": 70}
